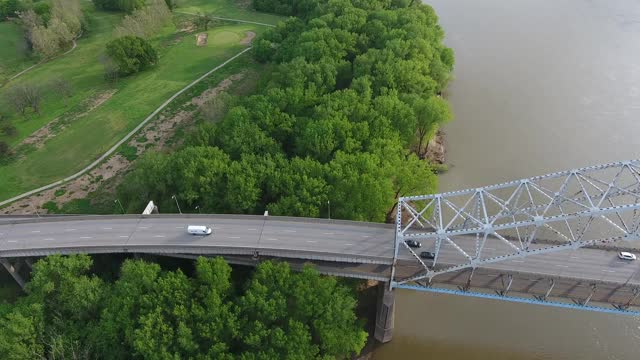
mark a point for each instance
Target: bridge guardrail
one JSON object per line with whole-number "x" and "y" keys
{"x": 21, "y": 219}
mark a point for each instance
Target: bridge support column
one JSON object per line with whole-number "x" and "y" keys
{"x": 13, "y": 270}
{"x": 385, "y": 313}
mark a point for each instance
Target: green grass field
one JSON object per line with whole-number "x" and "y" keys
{"x": 135, "y": 97}
{"x": 13, "y": 58}
{"x": 230, "y": 9}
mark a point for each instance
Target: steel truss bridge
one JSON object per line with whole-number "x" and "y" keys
{"x": 550, "y": 240}
{"x": 546, "y": 219}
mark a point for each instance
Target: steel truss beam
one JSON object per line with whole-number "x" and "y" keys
{"x": 478, "y": 227}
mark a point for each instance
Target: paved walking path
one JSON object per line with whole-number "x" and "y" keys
{"x": 126, "y": 138}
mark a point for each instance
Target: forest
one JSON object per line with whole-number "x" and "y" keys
{"x": 342, "y": 116}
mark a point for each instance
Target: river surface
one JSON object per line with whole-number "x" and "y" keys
{"x": 539, "y": 86}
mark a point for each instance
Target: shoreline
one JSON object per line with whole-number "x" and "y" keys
{"x": 436, "y": 149}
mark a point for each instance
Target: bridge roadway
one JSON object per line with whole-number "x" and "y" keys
{"x": 353, "y": 249}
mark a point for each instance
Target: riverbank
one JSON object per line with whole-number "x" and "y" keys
{"x": 367, "y": 309}
{"x": 436, "y": 149}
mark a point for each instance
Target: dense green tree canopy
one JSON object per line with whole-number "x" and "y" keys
{"x": 350, "y": 101}
{"x": 150, "y": 313}
{"x": 122, "y": 5}
{"x": 131, "y": 54}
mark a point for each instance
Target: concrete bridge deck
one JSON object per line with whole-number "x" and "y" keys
{"x": 343, "y": 248}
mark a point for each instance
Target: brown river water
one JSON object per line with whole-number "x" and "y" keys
{"x": 539, "y": 86}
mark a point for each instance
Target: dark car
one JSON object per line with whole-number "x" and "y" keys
{"x": 427, "y": 255}
{"x": 413, "y": 243}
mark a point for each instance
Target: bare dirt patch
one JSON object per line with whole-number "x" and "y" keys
{"x": 188, "y": 27}
{"x": 160, "y": 131}
{"x": 41, "y": 135}
{"x": 436, "y": 148}
{"x": 76, "y": 189}
{"x": 248, "y": 38}
{"x": 154, "y": 135}
{"x": 97, "y": 101}
{"x": 213, "y": 92}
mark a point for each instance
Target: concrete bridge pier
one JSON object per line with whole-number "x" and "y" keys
{"x": 385, "y": 313}
{"x": 14, "y": 269}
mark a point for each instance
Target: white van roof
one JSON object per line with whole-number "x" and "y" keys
{"x": 196, "y": 227}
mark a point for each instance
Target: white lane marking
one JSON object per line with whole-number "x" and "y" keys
{"x": 144, "y": 227}
{"x": 611, "y": 271}
{"x": 574, "y": 257}
{"x": 234, "y": 237}
{"x": 35, "y": 231}
{"x": 251, "y": 229}
{"x": 311, "y": 241}
{"x": 622, "y": 262}
{"x": 289, "y": 231}
{"x": 70, "y": 229}
{"x": 520, "y": 261}
{"x": 124, "y": 236}
{"x": 178, "y": 227}
{"x": 327, "y": 233}
{"x": 107, "y": 228}
{"x": 12, "y": 241}
{"x": 488, "y": 248}
{"x": 272, "y": 239}
{"x": 49, "y": 239}
{"x": 158, "y": 236}
{"x": 564, "y": 266}
{"x": 85, "y": 237}
{"x": 366, "y": 236}
{"x": 348, "y": 244}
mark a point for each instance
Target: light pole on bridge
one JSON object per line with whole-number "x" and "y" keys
{"x": 329, "y": 209}
{"x": 119, "y": 203}
{"x": 178, "y": 205}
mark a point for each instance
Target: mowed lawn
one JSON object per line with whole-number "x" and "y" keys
{"x": 81, "y": 67}
{"x": 13, "y": 58}
{"x": 86, "y": 138}
{"x": 229, "y": 9}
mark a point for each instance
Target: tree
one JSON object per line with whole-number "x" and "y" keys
{"x": 62, "y": 87}
{"x": 8, "y": 8}
{"x": 111, "y": 70}
{"x": 204, "y": 19}
{"x": 145, "y": 22}
{"x": 119, "y": 5}
{"x": 43, "y": 10}
{"x": 171, "y": 4}
{"x": 5, "y": 152}
{"x": 215, "y": 108}
{"x": 24, "y": 96}
{"x": 8, "y": 129}
{"x": 132, "y": 54}
{"x": 429, "y": 113}
{"x": 21, "y": 332}
{"x": 285, "y": 315}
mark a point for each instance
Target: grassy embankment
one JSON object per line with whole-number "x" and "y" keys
{"x": 229, "y": 9}
{"x": 13, "y": 57}
{"x": 85, "y": 138}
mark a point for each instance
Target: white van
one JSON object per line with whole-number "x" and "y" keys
{"x": 198, "y": 230}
